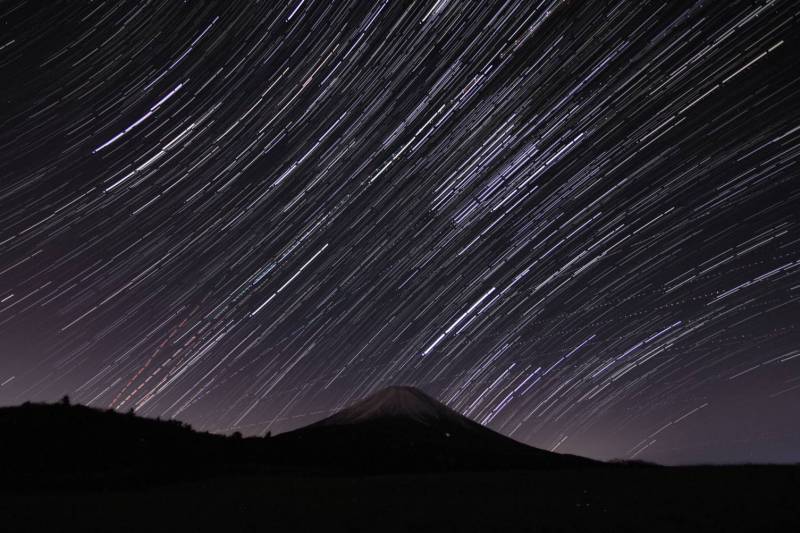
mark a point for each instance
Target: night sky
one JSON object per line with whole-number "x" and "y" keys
{"x": 574, "y": 222}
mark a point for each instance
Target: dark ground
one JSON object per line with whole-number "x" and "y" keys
{"x": 72, "y": 468}
{"x": 744, "y": 498}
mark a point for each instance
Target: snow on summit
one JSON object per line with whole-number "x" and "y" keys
{"x": 395, "y": 402}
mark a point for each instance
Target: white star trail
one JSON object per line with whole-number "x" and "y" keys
{"x": 575, "y": 222}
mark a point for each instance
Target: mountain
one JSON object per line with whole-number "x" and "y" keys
{"x": 404, "y": 429}
{"x": 398, "y": 429}
{"x": 73, "y": 468}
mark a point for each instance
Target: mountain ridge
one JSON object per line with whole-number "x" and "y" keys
{"x": 398, "y": 429}
{"x": 401, "y": 428}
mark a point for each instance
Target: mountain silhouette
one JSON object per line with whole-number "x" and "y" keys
{"x": 397, "y": 429}
{"x": 404, "y": 429}
{"x": 69, "y": 467}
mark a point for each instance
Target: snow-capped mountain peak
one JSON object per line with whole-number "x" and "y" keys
{"x": 394, "y": 402}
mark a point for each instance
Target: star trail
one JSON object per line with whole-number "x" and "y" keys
{"x": 574, "y": 222}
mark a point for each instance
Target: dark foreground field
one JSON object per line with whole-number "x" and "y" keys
{"x": 396, "y": 461}
{"x": 743, "y": 498}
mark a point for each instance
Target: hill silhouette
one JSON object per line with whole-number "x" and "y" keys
{"x": 398, "y": 429}
{"x": 63, "y": 444}
{"x": 69, "y": 467}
